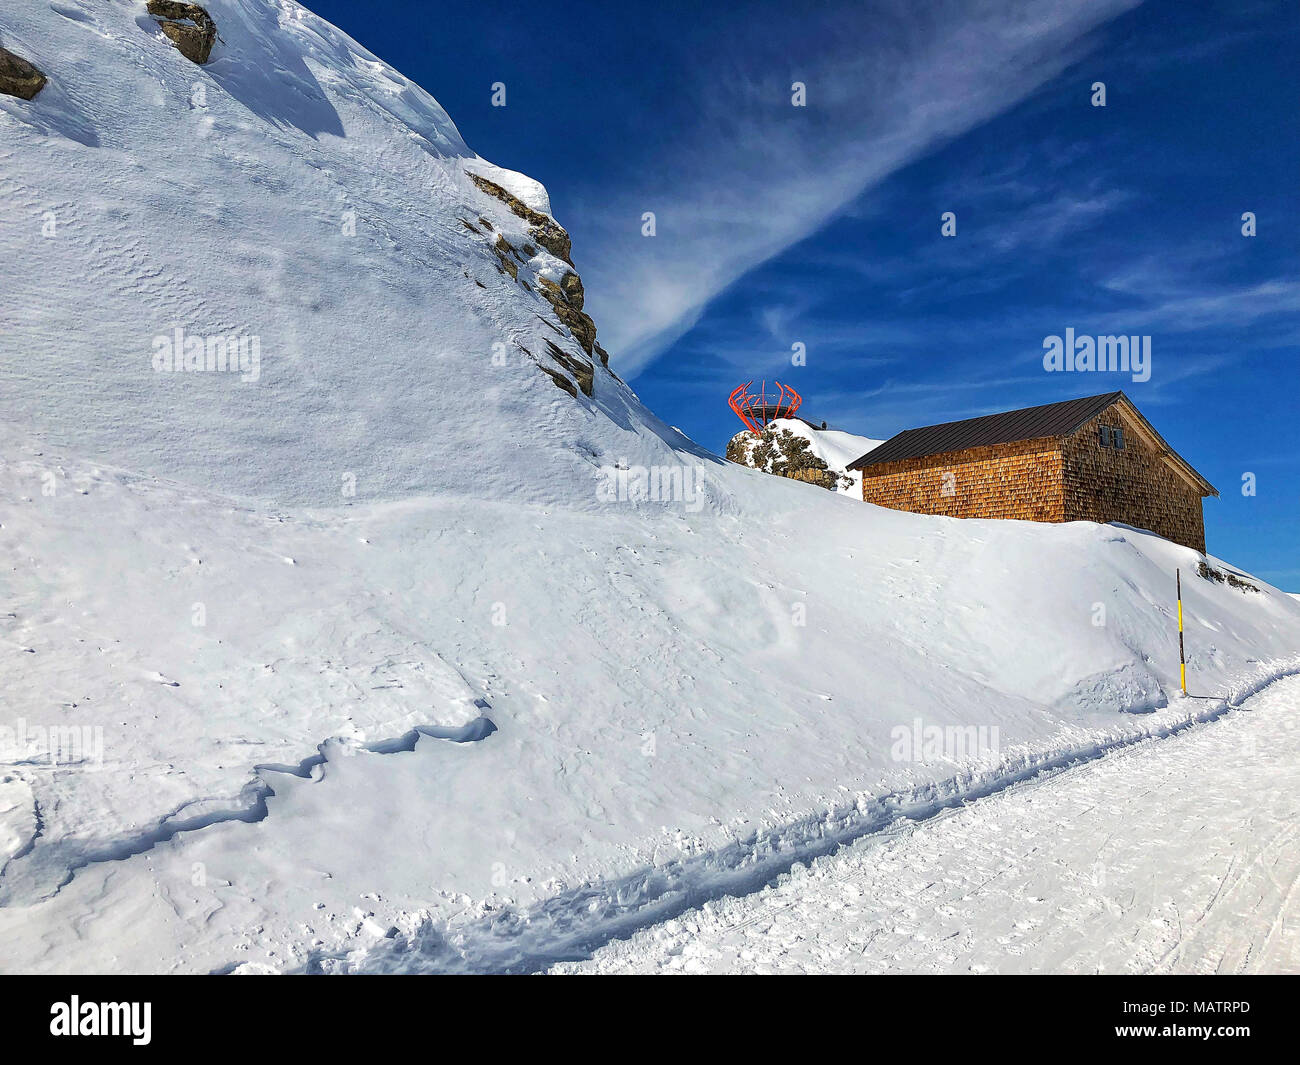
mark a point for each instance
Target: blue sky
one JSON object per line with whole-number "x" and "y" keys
{"x": 820, "y": 225}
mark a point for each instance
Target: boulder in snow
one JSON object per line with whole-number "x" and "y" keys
{"x": 187, "y": 26}
{"x": 18, "y": 77}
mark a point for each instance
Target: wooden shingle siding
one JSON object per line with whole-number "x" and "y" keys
{"x": 1133, "y": 484}
{"x": 1017, "y": 480}
{"x": 1070, "y": 477}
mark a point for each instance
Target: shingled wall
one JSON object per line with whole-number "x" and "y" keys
{"x": 1019, "y": 480}
{"x": 1133, "y": 484}
{"x": 1052, "y": 479}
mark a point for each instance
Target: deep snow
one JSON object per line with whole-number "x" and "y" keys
{"x": 696, "y": 672}
{"x": 1175, "y": 855}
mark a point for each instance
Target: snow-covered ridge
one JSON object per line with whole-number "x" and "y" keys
{"x": 300, "y": 202}
{"x": 256, "y": 613}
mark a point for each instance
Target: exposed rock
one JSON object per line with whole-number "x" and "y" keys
{"x": 188, "y": 26}
{"x": 571, "y": 285}
{"x": 503, "y": 250}
{"x": 580, "y": 325}
{"x": 549, "y": 324}
{"x": 552, "y": 291}
{"x": 560, "y": 380}
{"x": 581, "y": 370}
{"x": 545, "y": 229}
{"x": 18, "y": 77}
{"x": 785, "y": 454}
{"x": 553, "y": 237}
{"x": 567, "y": 297}
{"x": 1233, "y": 580}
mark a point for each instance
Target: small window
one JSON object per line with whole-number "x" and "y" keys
{"x": 1117, "y": 438}
{"x": 1105, "y": 436}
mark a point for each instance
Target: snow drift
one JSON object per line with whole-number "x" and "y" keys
{"x": 246, "y": 621}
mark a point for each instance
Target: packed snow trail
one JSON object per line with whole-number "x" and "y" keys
{"x": 1173, "y": 855}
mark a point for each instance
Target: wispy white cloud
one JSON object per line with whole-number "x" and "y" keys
{"x": 1183, "y": 301}
{"x": 752, "y": 175}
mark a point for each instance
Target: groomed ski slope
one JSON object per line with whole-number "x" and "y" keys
{"x": 1176, "y": 855}
{"x": 492, "y": 687}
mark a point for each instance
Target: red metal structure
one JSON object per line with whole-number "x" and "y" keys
{"x": 756, "y": 410}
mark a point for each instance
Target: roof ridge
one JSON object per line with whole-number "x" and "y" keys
{"x": 1059, "y": 418}
{"x": 1111, "y": 396}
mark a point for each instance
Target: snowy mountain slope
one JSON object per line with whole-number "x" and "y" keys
{"x": 298, "y": 191}
{"x": 833, "y": 446}
{"x": 688, "y": 665}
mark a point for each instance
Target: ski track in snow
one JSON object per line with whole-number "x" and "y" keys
{"x": 1170, "y": 855}
{"x": 668, "y": 906}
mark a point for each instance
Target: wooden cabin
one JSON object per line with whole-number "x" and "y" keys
{"x": 1090, "y": 459}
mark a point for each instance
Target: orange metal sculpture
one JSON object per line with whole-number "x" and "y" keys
{"x": 756, "y": 410}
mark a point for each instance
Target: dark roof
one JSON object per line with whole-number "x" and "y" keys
{"x": 1031, "y": 423}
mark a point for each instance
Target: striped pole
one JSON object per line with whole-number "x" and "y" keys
{"x": 1182, "y": 659}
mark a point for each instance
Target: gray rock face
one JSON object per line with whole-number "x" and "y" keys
{"x": 18, "y": 77}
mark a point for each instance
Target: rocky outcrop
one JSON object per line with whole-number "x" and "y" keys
{"x": 579, "y": 323}
{"x": 582, "y": 371}
{"x": 545, "y": 229}
{"x": 785, "y": 454}
{"x": 566, "y": 296}
{"x": 505, "y": 258}
{"x": 1233, "y": 580}
{"x": 187, "y": 26}
{"x": 19, "y": 77}
{"x": 571, "y": 286}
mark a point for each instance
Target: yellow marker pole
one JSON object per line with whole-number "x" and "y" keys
{"x": 1182, "y": 660}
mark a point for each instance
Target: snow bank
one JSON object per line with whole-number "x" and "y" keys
{"x": 258, "y": 615}
{"x": 301, "y": 196}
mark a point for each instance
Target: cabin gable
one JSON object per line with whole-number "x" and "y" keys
{"x": 1136, "y": 484}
